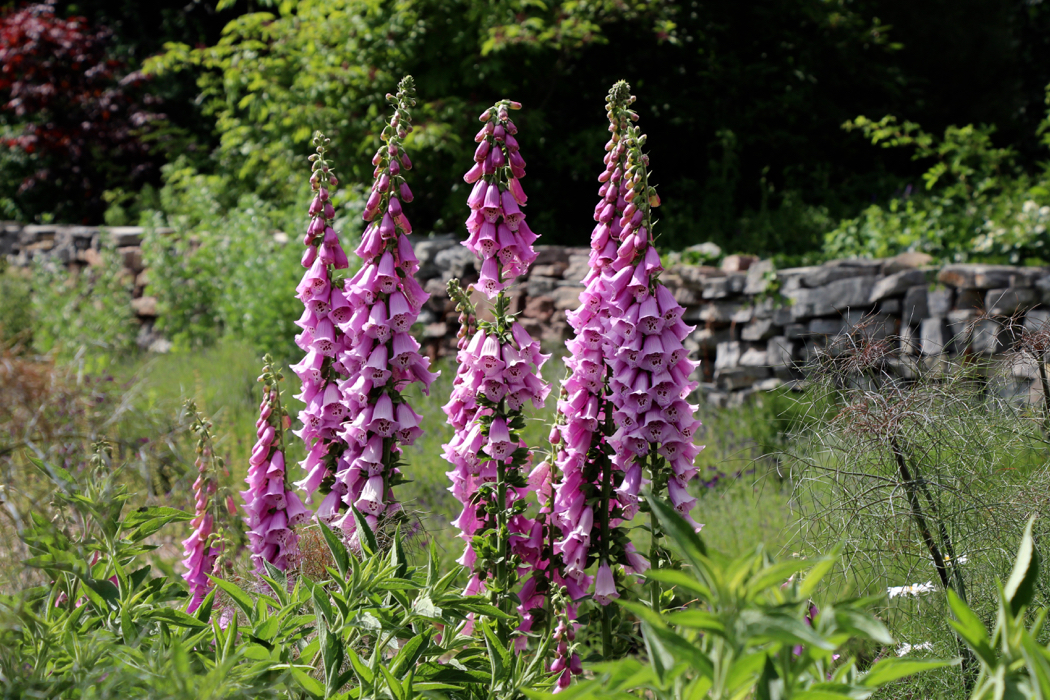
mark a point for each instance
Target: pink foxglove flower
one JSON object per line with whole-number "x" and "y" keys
{"x": 203, "y": 548}
{"x": 498, "y": 375}
{"x": 272, "y": 509}
{"x": 649, "y": 368}
{"x": 588, "y": 511}
{"x": 321, "y": 373}
{"x": 378, "y": 356}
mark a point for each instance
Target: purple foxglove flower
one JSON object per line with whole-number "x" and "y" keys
{"x": 605, "y": 586}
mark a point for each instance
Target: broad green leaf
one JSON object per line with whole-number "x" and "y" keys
{"x": 770, "y": 686}
{"x": 679, "y": 579}
{"x": 365, "y": 536}
{"x": 970, "y": 628}
{"x": 680, "y": 533}
{"x": 408, "y": 655}
{"x": 396, "y": 688}
{"x": 338, "y": 549}
{"x": 817, "y": 572}
{"x": 774, "y": 575}
{"x": 697, "y": 619}
{"x": 862, "y": 624}
{"x": 308, "y": 683}
{"x": 363, "y": 672}
{"x": 889, "y": 670}
{"x": 175, "y": 617}
{"x": 1020, "y": 587}
{"x": 500, "y": 659}
{"x": 397, "y": 555}
{"x": 266, "y": 629}
{"x": 782, "y": 628}
{"x": 239, "y": 597}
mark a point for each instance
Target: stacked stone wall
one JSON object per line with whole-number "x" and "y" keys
{"x": 755, "y": 326}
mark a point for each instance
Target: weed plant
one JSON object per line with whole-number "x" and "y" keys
{"x": 925, "y": 481}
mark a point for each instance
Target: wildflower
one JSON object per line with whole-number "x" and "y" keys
{"x": 325, "y": 310}
{"x": 273, "y": 510}
{"x": 904, "y": 649}
{"x": 914, "y": 590}
{"x": 498, "y": 374}
{"x": 205, "y": 545}
{"x": 378, "y": 356}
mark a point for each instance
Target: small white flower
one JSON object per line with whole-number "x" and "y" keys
{"x": 915, "y": 590}
{"x": 961, "y": 559}
{"x": 906, "y": 648}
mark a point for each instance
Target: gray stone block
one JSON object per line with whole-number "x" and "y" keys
{"x": 782, "y": 315}
{"x": 727, "y": 355}
{"x": 753, "y": 357}
{"x": 456, "y": 261}
{"x": 1037, "y": 321}
{"x": 739, "y": 377}
{"x": 826, "y": 274}
{"x": 910, "y": 341}
{"x": 718, "y": 311}
{"x": 715, "y": 288}
{"x": 915, "y": 306}
{"x": 897, "y": 284}
{"x": 759, "y": 329}
{"x": 974, "y": 276}
{"x": 826, "y": 326}
{"x": 940, "y": 301}
{"x": 933, "y": 336}
{"x": 536, "y": 286}
{"x": 796, "y": 331}
{"x": 735, "y": 283}
{"x": 756, "y": 277}
{"x": 849, "y": 293}
{"x": 960, "y": 324}
{"x": 1007, "y": 302}
{"x": 985, "y": 337}
{"x": 706, "y": 340}
{"x": 890, "y": 306}
{"x": 779, "y": 352}
{"x": 742, "y": 315}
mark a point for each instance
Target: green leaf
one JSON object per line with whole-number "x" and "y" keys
{"x": 365, "y": 536}
{"x": 363, "y": 672}
{"x": 239, "y": 597}
{"x": 397, "y": 555}
{"x": 770, "y": 685}
{"x": 681, "y": 534}
{"x": 500, "y": 659}
{"x": 266, "y": 629}
{"x": 889, "y": 670}
{"x": 679, "y": 579}
{"x": 862, "y": 624}
{"x": 774, "y": 575}
{"x": 1020, "y": 587}
{"x": 147, "y": 513}
{"x": 697, "y": 619}
{"x": 175, "y": 617}
{"x": 782, "y": 628}
{"x": 817, "y": 572}
{"x": 308, "y": 683}
{"x": 396, "y": 688}
{"x": 338, "y": 549}
{"x": 971, "y": 629}
{"x": 408, "y": 655}
{"x": 203, "y": 611}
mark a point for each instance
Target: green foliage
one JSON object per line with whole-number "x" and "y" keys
{"x": 745, "y": 636}
{"x": 88, "y": 309}
{"x": 16, "y": 318}
{"x": 105, "y": 624}
{"x": 975, "y": 203}
{"x": 1013, "y": 663}
{"x": 226, "y": 271}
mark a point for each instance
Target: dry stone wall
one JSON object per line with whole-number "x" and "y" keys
{"x": 756, "y": 327}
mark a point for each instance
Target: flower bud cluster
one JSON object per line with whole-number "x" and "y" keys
{"x": 499, "y": 235}
{"x": 272, "y": 508}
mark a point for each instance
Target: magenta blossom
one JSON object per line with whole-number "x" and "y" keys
{"x": 203, "y": 548}
{"x": 272, "y": 509}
